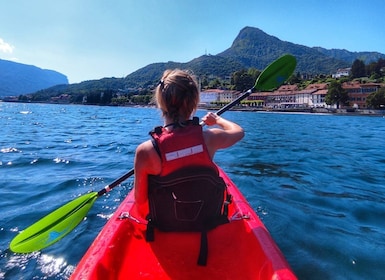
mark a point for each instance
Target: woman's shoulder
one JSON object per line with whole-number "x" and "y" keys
{"x": 147, "y": 158}
{"x": 145, "y": 146}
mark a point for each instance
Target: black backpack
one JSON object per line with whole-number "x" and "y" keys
{"x": 189, "y": 199}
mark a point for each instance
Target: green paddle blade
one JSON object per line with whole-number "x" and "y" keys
{"x": 276, "y": 73}
{"x": 54, "y": 226}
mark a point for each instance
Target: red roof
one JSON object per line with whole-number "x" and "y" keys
{"x": 288, "y": 88}
{"x": 317, "y": 86}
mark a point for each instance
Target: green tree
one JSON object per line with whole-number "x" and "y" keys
{"x": 105, "y": 97}
{"x": 295, "y": 79}
{"x": 216, "y": 83}
{"x": 372, "y": 69}
{"x": 375, "y": 67}
{"x": 93, "y": 98}
{"x": 336, "y": 95}
{"x": 143, "y": 99}
{"x": 358, "y": 69}
{"x": 119, "y": 100}
{"x": 242, "y": 80}
{"x": 376, "y": 99}
{"x": 23, "y": 98}
{"x": 204, "y": 82}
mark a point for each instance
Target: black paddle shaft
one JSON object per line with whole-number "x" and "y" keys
{"x": 234, "y": 102}
{"x": 116, "y": 182}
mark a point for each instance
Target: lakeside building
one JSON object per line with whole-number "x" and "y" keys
{"x": 290, "y": 97}
{"x": 62, "y": 98}
{"x": 342, "y": 72}
{"x": 217, "y": 96}
{"x": 358, "y": 93}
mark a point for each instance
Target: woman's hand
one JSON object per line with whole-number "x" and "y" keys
{"x": 210, "y": 118}
{"x": 225, "y": 135}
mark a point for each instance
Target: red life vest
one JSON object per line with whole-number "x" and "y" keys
{"x": 181, "y": 147}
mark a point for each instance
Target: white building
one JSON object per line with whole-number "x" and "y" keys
{"x": 217, "y": 95}
{"x": 342, "y": 72}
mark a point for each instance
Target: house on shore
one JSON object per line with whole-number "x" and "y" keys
{"x": 359, "y": 92}
{"x": 211, "y": 96}
{"x": 290, "y": 97}
{"x": 342, "y": 72}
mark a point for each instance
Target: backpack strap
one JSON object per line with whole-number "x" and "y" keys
{"x": 150, "y": 230}
{"x": 156, "y": 147}
{"x": 204, "y": 249}
{"x": 223, "y": 219}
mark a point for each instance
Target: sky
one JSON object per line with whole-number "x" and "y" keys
{"x": 93, "y": 39}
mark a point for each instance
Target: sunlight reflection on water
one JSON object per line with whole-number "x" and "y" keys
{"x": 316, "y": 181}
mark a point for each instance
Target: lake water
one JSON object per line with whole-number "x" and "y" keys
{"x": 316, "y": 181}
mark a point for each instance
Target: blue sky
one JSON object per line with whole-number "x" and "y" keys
{"x": 92, "y": 39}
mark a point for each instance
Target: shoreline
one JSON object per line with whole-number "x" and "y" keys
{"x": 347, "y": 112}
{"x": 340, "y": 112}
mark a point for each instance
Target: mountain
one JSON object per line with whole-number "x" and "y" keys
{"x": 205, "y": 65}
{"x": 17, "y": 78}
{"x": 251, "y": 48}
{"x": 254, "y": 48}
{"x": 349, "y": 57}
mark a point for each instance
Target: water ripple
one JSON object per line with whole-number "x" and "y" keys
{"x": 316, "y": 181}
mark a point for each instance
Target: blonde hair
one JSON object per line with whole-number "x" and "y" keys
{"x": 177, "y": 95}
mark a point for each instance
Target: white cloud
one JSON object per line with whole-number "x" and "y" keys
{"x": 5, "y": 47}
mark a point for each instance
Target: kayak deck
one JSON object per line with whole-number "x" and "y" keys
{"x": 241, "y": 249}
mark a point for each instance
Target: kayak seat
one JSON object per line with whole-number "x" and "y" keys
{"x": 191, "y": 199}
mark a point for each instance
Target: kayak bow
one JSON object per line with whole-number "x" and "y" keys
{"x": 241, "y": 249}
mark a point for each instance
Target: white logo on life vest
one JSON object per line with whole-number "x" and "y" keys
{"x": 184, "y": 152}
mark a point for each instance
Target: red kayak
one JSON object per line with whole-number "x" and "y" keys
{"x": 241, "y": 249}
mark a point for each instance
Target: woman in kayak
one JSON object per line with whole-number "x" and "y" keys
{"x": 177, "y": 96}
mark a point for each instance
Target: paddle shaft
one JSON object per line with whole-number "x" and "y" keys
{"x": 234, "y": 102}
{"x": 116, "y": 182}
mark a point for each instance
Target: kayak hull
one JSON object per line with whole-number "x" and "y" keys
{"x": 241, "y": 249}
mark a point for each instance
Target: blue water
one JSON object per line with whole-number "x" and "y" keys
{"x": 316, "y": 181}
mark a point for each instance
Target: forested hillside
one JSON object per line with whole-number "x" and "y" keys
{"x": 252, "y": 48}
{"x": 17, "y": 78}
